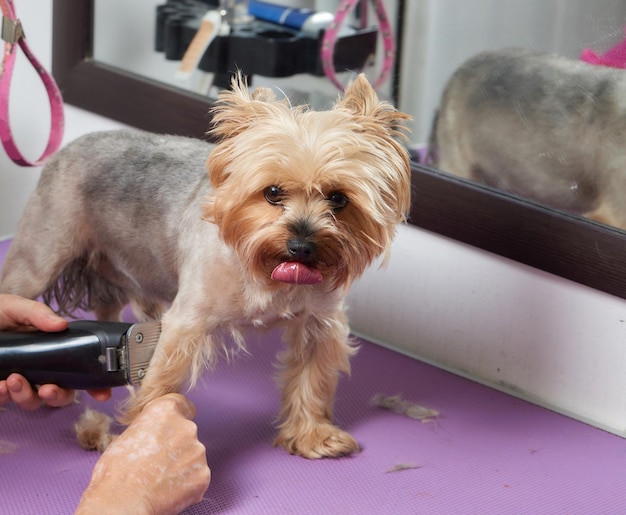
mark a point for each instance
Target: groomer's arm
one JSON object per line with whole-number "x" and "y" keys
{"x": 157, "y": 465}
{"x": 20, "y": 314}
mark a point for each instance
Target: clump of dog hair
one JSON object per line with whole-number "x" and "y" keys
{"x": 92, "y": 430}
{"x": 399, "y": 405}
{"x": 402, "y": 466}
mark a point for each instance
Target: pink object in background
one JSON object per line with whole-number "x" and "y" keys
{"x": 614, "y": 57}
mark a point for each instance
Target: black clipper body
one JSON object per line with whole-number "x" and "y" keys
{"x": 88, "y": 355}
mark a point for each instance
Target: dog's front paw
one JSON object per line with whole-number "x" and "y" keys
{"x": 325, "y": 441}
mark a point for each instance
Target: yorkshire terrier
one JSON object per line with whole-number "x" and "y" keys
{"x": 295, "y": 206}
{"x": 538, "y": 125}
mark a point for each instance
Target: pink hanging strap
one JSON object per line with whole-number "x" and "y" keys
{"x": 330, "y": 39}
{"x": 13, "y": 35}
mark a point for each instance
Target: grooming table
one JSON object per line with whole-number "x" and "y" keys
{"x": 486, "y": 453}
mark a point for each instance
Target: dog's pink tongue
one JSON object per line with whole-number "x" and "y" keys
{"x": 294, "y": 272}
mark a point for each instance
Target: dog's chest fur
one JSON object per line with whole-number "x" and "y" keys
{"x": 269, "y": 308}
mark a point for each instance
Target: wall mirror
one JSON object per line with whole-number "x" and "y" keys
{"x": 537, "y": 235}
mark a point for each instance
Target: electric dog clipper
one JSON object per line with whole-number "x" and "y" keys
{"x": 89, "y": 354}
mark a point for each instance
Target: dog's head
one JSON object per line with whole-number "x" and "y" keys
{"x": 307, "y": 197}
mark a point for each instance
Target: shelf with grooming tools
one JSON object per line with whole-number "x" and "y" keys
{"x": 214, "y": 39}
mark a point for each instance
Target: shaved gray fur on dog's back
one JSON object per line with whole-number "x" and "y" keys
{"x": 110, "y": 189}
{"x": 539, "y": 125}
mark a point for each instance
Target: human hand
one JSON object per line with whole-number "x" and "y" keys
{"x": 18, "y": 390}
{"x": 157, "y": 465}
{"x": 20, "y": 314}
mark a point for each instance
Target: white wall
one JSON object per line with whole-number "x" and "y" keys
{"x": 532, "y": 334}
{"x": 535, "y": 335}
{"x": 30, "y": 114}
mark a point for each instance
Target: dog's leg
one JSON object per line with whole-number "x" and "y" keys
{"x": 35, "y": 259}
{"x": 50, "y": 237}
{"x": 168, "y": 371}
{"x": 318, "y": 351}
{"x": 32, "y": 261}
{"x": 19, "y": 277}
{"x": 182, "y": 351}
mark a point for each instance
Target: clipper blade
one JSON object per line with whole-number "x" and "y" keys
{"x": 142, "y": 339}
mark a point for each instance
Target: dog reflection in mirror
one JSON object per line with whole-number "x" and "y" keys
{"x": 296, "y": 204}
{"x": 538, "y": 125}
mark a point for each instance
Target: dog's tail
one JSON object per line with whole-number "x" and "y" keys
{"x": 432, "y": 154}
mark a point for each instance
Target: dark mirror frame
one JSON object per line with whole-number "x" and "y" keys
{"x": 568, "y": 246}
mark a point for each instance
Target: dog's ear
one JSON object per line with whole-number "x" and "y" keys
{"x": 236, "y": 109}
{"x": 361, "y": 100}
{"x": 384, "y": 127}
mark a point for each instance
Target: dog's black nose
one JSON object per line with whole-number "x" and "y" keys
{"x": 300, "y": 249}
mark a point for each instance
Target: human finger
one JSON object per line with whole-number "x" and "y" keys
{"x": 22, "y": 393}
{"x": 56, "y": 396}
{"x": 18, "y": 313}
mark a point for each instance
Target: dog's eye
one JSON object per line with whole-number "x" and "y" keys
{"x": 337, "y": 200}
{"x": 274, "y": 195}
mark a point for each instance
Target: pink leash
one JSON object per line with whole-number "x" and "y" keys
{"x": 330, "y": 39}
{"x": 13, "y": 35}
